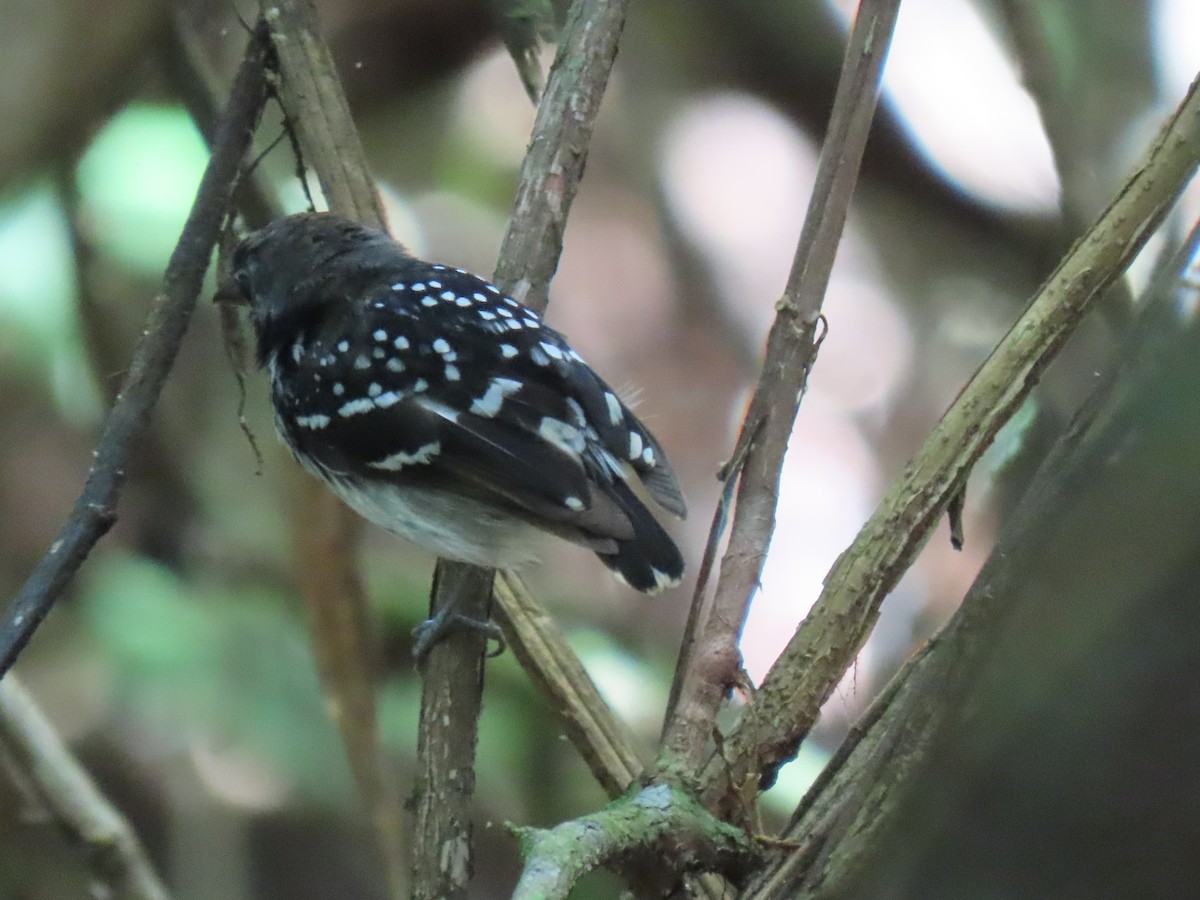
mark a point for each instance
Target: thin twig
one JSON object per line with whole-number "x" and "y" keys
{"x": 713, "y": 664}
{"x": 96, "y": 509}
{"x": 68, "y": 793}
{"x": 825, "y": 644}
{"x": 698, "y": 610}
{"x": 325, "y": 533}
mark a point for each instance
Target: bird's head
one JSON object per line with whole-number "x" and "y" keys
{"x": 289, "y": 270}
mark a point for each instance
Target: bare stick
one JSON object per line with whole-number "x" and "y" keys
{"x": 827, "y": 641}
{"x": 707, "y": 672}
{"x": 96, "y": 509}
{"x": 71, "y": 797}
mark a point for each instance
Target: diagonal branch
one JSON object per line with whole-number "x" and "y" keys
{"x": 827, "y": 641}
{"x": 96, "y": 509}
{"x": 601, "y": 738}
{"x": 73, "y": 800}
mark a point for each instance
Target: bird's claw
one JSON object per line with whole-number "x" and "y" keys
{"x": 438, "y": 627}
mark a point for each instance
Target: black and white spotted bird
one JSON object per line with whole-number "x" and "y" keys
{"x": 445, "y": 411}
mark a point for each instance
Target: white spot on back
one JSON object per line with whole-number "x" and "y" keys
{"x": 380, "y": 334}
{"x": 379, "y": 353}
{"x": 486, "y": 316}
{"x": 401, "y": 343}
{"x": 394, "y": 364}
{"x": 429, "y": 301}
{"x": 339, "y": 389}
{"x": 355, "y": 407}
{"x": 420, "y": 385}
{"x": 551, "y": 351}
{"x": 538, "y": 355}
{"x": 374, "y": 390}
{"x": 361, "y": 362}
{"x": 648, "y": 456}
{"x": 448, "y": 295}
{"x": 343, "y": 346}
{"x": 397, "y": 461}
{"x": 635, "y": 445}
{"x": 314, "y": 422}
{"x": 385, "y": 400}
{"x": 560, "y": 434}
{"x": 489, "y": 404}
{"x": 573, "y": 503}
{"x": 615, "y": 413}
{"x": 508, "y": 351}
{"x": 399, "y": 286}
{"x": 435, "y": 284}
{"x": 440, "y": 346}
{"x": 452, "y": 373}
{"x": 463, "y": 301}
{"x": 418, "y": 286}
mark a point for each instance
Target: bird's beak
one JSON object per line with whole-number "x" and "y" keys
{"x": 228, "y": 293}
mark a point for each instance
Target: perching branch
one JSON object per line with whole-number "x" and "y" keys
{"x": 96, "y": 509}
{"x": 69, "y": 795}
{"x": 708, "y": 668}
{"x": 528, "y": 257}
{"x": 826, "y": 643}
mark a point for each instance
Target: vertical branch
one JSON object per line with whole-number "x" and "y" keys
{"x": 558, "y": 148}
{"x": 529, "y": 254}
{"x": 170, "y": 313}
{"x": 707, "y": 672}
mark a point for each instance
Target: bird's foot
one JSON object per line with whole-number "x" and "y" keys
{"x": 447, "y": 621}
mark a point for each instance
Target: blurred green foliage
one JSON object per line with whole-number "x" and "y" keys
{"x": 137, "y": 181}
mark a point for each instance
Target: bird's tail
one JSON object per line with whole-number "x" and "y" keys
{"x": 649, "y": 561}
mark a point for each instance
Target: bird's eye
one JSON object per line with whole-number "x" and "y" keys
{"x": 242, "y": 271}
{"x": 241, "y": 278}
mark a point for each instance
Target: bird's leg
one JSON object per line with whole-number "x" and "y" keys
{"x": 456, "y": 585}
